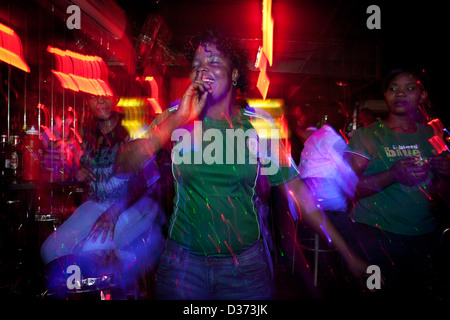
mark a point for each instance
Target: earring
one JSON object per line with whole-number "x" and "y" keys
{"x": 235, "y": 83}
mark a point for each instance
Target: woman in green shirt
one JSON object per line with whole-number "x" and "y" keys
{"x": 214, "y": 249}
{"x": 395, "y": 162}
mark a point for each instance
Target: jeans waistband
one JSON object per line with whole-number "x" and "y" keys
{"x": 251, "y": 251}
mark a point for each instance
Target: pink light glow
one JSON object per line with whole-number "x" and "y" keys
{"x": 437, "y": 140}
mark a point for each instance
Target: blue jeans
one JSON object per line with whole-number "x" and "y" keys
{"x": 185, "y": 276}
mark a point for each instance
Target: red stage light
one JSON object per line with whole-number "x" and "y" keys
{"x": 11, "y": 48}
{"x": 437, "y": 141}
{"x": 78, "y": 72}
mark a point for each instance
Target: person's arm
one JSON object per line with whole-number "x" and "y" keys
{"x": 106, "y": 222}
{"x": 135, "y": 153}
{"x": 298, "y": 194}
{"x": 408, "y": 171}
{"x": 132, "y": 157}
{"x": 368, "y": 185}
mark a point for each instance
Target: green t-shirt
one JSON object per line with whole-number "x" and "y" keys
{"x": 398, "y": 208}
{"x": 216, "y": 165}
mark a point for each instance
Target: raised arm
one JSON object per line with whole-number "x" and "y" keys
{"x": 135, "y": 153}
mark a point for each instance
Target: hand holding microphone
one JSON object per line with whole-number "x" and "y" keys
{"x": 193, "y": 101}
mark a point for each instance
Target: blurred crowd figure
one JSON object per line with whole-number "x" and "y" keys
{"x": 108, "y": 236}
{"x": 61, "y": 150}
{"x": 325, "y": 171}
{"x": 398, "y": 171}
{"x": 379, "y": 188}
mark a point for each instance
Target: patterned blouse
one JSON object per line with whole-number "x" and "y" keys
{"x": 100, "y": 158}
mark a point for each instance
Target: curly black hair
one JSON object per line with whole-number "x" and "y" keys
{"x": 229, "y": 47}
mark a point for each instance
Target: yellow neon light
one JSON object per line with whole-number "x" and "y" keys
{"x": 266, "y": 104}
{"x": 133, "y": 127}
{"x": 6, "y": 29}
{"x": 265, "y": 54}
{"x": 267, "y": 28}
{"x": 131, "y": 102}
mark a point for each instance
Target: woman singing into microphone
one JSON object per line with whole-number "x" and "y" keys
{"x": 214, "y": 248}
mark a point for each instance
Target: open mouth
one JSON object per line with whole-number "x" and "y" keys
{"x": 207, "y": 80}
